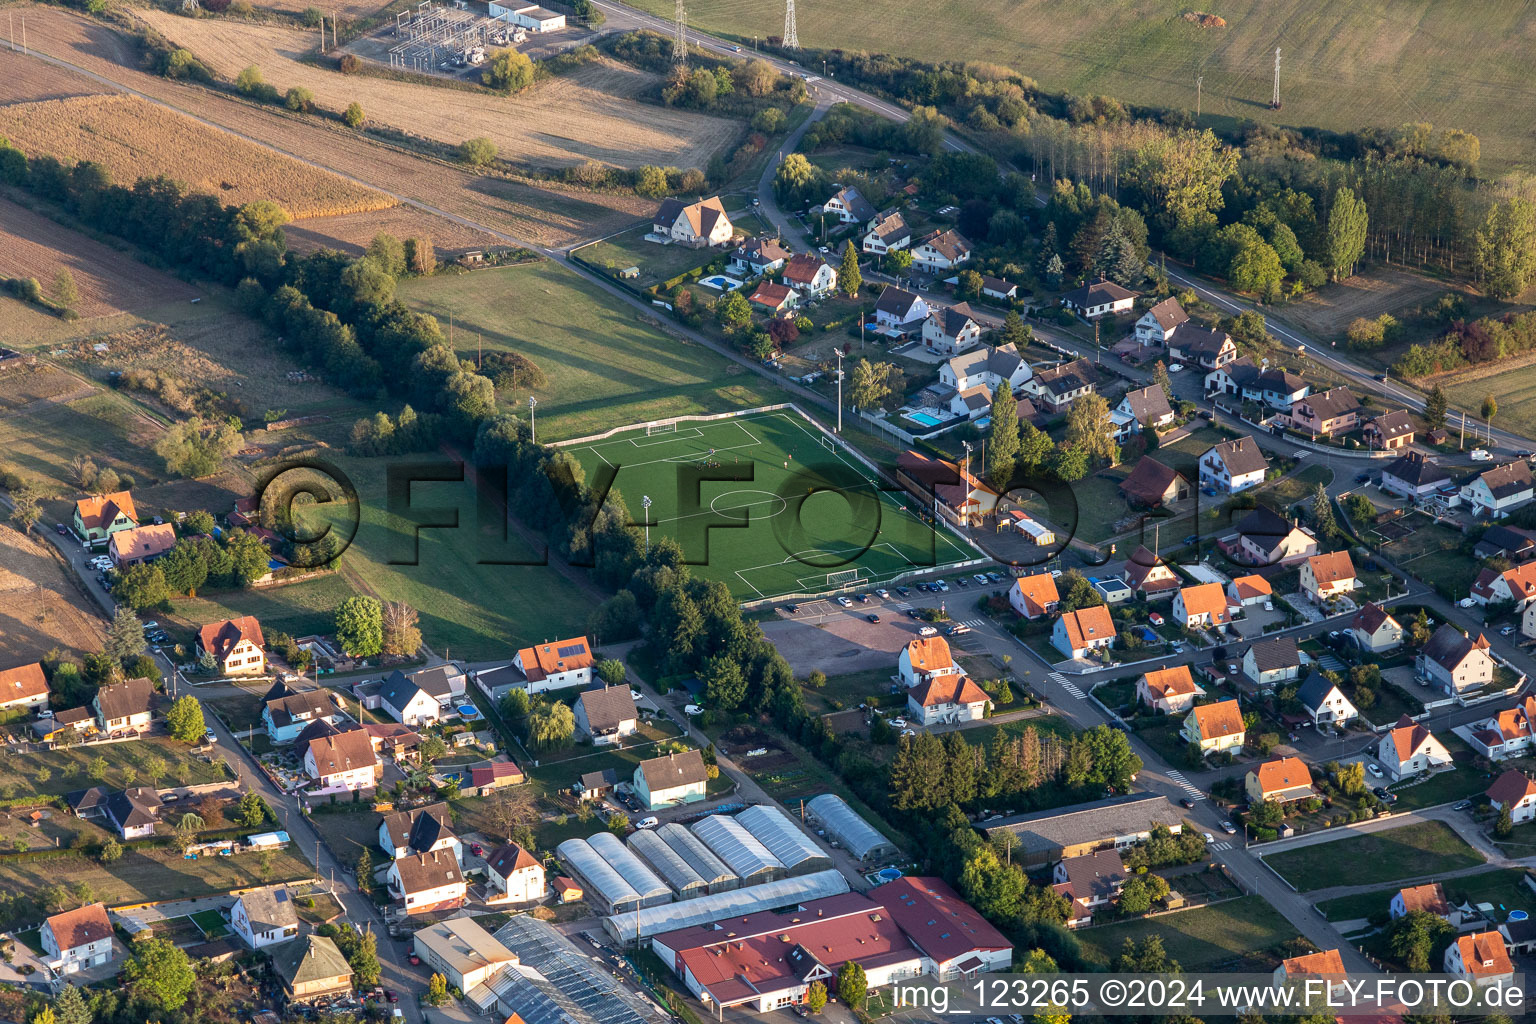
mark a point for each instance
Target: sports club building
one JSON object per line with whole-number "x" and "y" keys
{"x": 904, "y": 929}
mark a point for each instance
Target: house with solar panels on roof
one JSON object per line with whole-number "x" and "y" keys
{"x": 265, "y": 917}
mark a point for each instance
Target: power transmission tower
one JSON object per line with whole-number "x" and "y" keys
{"x": 791, "y": 37}
{"x": 680, "y": 39}
{"x": 1199, "y": 89}
{"x": 1274, "y": 102}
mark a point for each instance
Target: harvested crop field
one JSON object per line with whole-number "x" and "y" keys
{"x": 40, "y": 608}
{"x": 136, "y": 139}
{"x": 31, "y": 245}
{"x": 25, "y": 80}
{"x": 351, "y": 232}
{"x": 1370, "y": 293}
{"x": 589, "y": 114}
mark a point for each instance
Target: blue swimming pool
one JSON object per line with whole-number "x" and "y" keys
{"x": 720, "y": 282}
{"x": 924, "y": 418}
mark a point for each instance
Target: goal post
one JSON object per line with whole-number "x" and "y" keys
{"x": 842, "y": 578}
{"x": 826, "y": 442}
{"x": 661, "y": 428}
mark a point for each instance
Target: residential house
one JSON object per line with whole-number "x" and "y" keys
{"x": 133, "y": 812}
{"x": 1324, "y": 702}
{"x": 1412, "y": 476}
{"x": 77, "y": 940}
{"x": 1099, "y": 298}
{"x": 1410, "y": 748}
{"x": 1516, "y": 585}
{"x": 900, "y": 312}
{"x": 289, "y": 713}
{"x": 1264, "y": 537}
{"x": 1153, "y": 484}
{"x": 140, "y": 544}
{"x": 888, "y": 233}
{"x": 488, "y": 776}
{"x": 99, "y": 516}
{"x": 462, "y": 952}
{"x": 125, "y": 707}
{"x": 947, "y": 699}
{"x": 774, "y": 298}
{"x": 1034, "y": 596}
{"x": 956, "y": 495}
{"x": 556, "y": 665}
{"x": 1528, "y": 620}
{"x": 1233, "y": 466}
{"x": 1515, "y": 792}
{"x": 1277, "y": 388}
{"x": 941, "y": 250}
{"x": 1244, "y": 591}
{"x": 423, "y": 830}
{"x": 758, "y": 257}
{"x": 998, "y": 289}
{"x": 1480, "y": 958}
{"x": 1236, "y": 378}
{"x": 810, "y": 275}
{"x": 1078, "y": 633}
{"x": 1268, "y": 663}
{"x": 1429, "y": 898}
{"x": 265, "y": 917}
{"x": 697, "y": 225}
{"x": 1521, "y": 935}
{"x": 606, "y": 715}
{"x": 23, "y": 686}
{"x": 414, "y": 700}
{"x": 1201, "y": 606}
{"x": 1331, "y": 412}
{"x": 1215, "y": 727}
{"x": 1157, "y": 324}
{"x": 1092, "y": 880}
{"x": 925, "y": 658}
{"x": 516, "y": 874}
{"x": 1497, "y": 492}
{"x": 312, "y": 969}
{"x": 1122, "y": 427}
{"x": 1148, "y": 407}
{"x": 1283, "y": 780}
{"x": 951, "y": 329}
{"x": 1500, "y": 541}
{"x": 1326, "y": 964}
{"x": 671, "y": 780}
{"x": 985, "y": 364}
{"x": 973, "y": 403}
{"x": 1059, "y": 386}
{"x": 849, "y": 206}
{"x": 235, "y": 646}
{"x": 1169, "y": 690}
{"x": 1388, "y": 430}
{"x": 596, "y": 785}
{"x": 1327, "y": 577}
{"x": 1201, "y": 346}
{"x": 426, "y": 883}
{"x": 1149, "y": 575}
{"x": 1374, "y": 630}
{"x": 1455, "y": 662}
{"x": 341, "y": 763}
{"x": 1508, "y": 733}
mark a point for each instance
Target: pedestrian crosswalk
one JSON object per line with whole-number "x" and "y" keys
{"x": 1177, "y": 778}
{"x": 1219, "y": 847}
{"x": 973, "y": 623}
{"x": 1061, "y": 681}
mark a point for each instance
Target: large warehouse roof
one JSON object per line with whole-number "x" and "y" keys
{"x": 699, "y": 857}
{"x": 740, "y": 850}
{"x": 786, "y": 892}
{"x": 671, "y": 867}
{"x": 592, "y": 995}
{"x": 778, "y": 831}
{"x": 599, "y": 874}
{"x": 844, "y": 824}
{"x": 640, "y": 878}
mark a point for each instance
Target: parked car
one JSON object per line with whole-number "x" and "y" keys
{"x": 1361, "y": 478}
{"x": 1506, "y": 631}
{"x": 844, "y": 602}
{"x": 477, "y": 849}
{"x": 1465, "y": 602}
{"x": 873, "y": 617}
{"x": 981, "y": 578}
{"x": 45, "y": 713}
{"x": 1209, "y": 839}
{"x": 1186, "y": 802}
{"x": 943, "y": 587}
{"x": 791, "y": 608}
{"x": 1465, "y": 805}
{"x": 1375, "y": 769}
{"x": 636, "y": 695}
{"x": 995, "y": 577}
{"x": 927, "y": 631}
{"x": 863, "y": 599}
{"x": 1229, "y": 828}
{"x": 903, "y": 591}
{"x": 883, "y": 594}
{"x": 209, "y": 737}
{"x": 693, "y": 709}
{"x": 651, "y": 822}
{"x": 1176, "y": 368}
{"x": 1480, "y": 455}
{"x": 962, "y": 582}
{"x": 60, "y": 530}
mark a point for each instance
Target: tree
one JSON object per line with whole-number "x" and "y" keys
{"x": 1015, "y": 331}
{"x": 1267, "y": 814}
{"x": 1181, "y": 174}
{"x": 1141, "y": 891}
{"x": 1419, "y": 631}
{"x": 794, "y": 180}
{"x": 1161, "y": 379}
{"x": 477, "y": 152}
{"x": 44, "y": 1016}
{"x": 866, "y": 385}
{"x": 125, "y": 636}
{"x": 400, "y": 635}
{"x": 852, "y": 985}
{"x": 364, "y": 871}
{"x": 848, "y": 277}
{"x": 898, "y": 262}
{"x": 353, "y": 116}
{"x": 1351, "y": 778}
{"x": 1322, "y": 514}
{"x": 1505, "y": 826}
{"x": 551, "y": 724}
{"x": 1348, "y": 222}
{"x": 1089, "y": 428}
{"x": 160, "y": 974}
{"x": 140, "y": 586}
{"x": 65, "y": 292}
{"x": 1035, "y": 448}
{"x": 110, "y": 850}
{"x": 432, "y": 749}
{"x": 1002, "y": 453}
{"x": 299, "y": 99}
{"x": 1076, "y": 592}
{"x": 816, "y": 997}
{"x": 184, "y": 568}
{"x": 69, "y": 1007}
{"x": 1434, "y": 408}
{"x": 360, "y": 626}
{"x": 253, "y": 812}
{"x": 611, "y": 671}
{"x": 195, "y": 448}
{"x": 437, "y": 988}
{"x": 26, "y": 508}
{"x": 508, "y": 70}
{"x": 1412, "y": 938}
{"x": 1490, "y": 409}
{"x": 1069, "y": 463}
{"x": 1505, "y": 248}
{"x": 185, "y": 720}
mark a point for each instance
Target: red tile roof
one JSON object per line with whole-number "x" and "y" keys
{"x": 1038, "y": 592}
{"x": 559, "y": 656}
{"x": 99, "y": 510}
{"x": 22, "y": 682}
{"x": 1206, "y": 599}
{"x": 1223, "y": 718}
{"x": 950, "y": 689}
{"x": 1170, "y": 682}
{"x": 1408, "y": 737}
{"x": 1252, "y": 586}
{"x": 937, "y": 920}
{"x": 143, "y": 542}
{"x": 929, "y": 654}
{"x": 219, "y": 638}
{"x": 1332, "y": 567}
{"x": 75, "y": 928}
{"x": 1326, "y": 962}
{"x": 1510, "y": 788}
{"x": 1282, "y": 774}
{"x": 1430, "y": 898}
{"x": 1088, "y": 624}
{"x": 1484, "y": 954}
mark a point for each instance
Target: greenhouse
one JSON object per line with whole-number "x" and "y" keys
{"x": 786, "y": 892}
{"x": 740, "y": 850}
{"x": 641, "y": 879}
{"x": 592, "y": 997}
{"x": 675, "y": 871}
{"x": 852, "y": 832}
{"x": 699, "y": 857}
{"x": 784, "y": 839}
{"x": 602, "y": 881}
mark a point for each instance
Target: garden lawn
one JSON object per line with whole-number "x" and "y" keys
{"x": 1184, "y": 454}
{"x": 1411, "y": 851}
{"x": 238, "y": 713}
{"x": 211, "y": 923}
{"x": 1239, "y": 934}
{"x": 348, "y": 832}
{"x": 68, "y": 767}
{"x": 657, "y": 262}
{"x": 1433, "y": 554}
{"x": 1444, "y": 787}
{"x": 1503, "y": 887}
{"x": 298, "y": 609}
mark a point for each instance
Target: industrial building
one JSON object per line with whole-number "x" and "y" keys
{"x": 602, "y": 881}
{"x": 673, "y": 869}
{"x": 742, "y": 852}
{"x": 638, "y": 925}
{"x": 564, "y": 974}
{"x": 1121, "y": 821}
{"x": 784, "y": 839}
{"x": 691, "y": 848}
{"x": 643, "y": 880}
{"x": 843, "y": 824}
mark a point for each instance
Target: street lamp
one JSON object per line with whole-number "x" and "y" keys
{"x": 533, "y": 427}
{"x": 839, "y": 353}
{"x": 645, "y": 503}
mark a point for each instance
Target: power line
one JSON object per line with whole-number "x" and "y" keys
{"x": 791, "y": 36}
{"x": 1274, "y": 103}
{"x": 680, "y": 40}
{"x": 1199, "y": 89}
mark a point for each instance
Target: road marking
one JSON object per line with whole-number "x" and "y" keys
{"x": 1177, "y": 778}
{"x": 1220, "y": 847}
{"x": 1061, "y": 681}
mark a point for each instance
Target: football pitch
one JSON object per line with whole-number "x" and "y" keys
{"x": 769, "y": 504}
